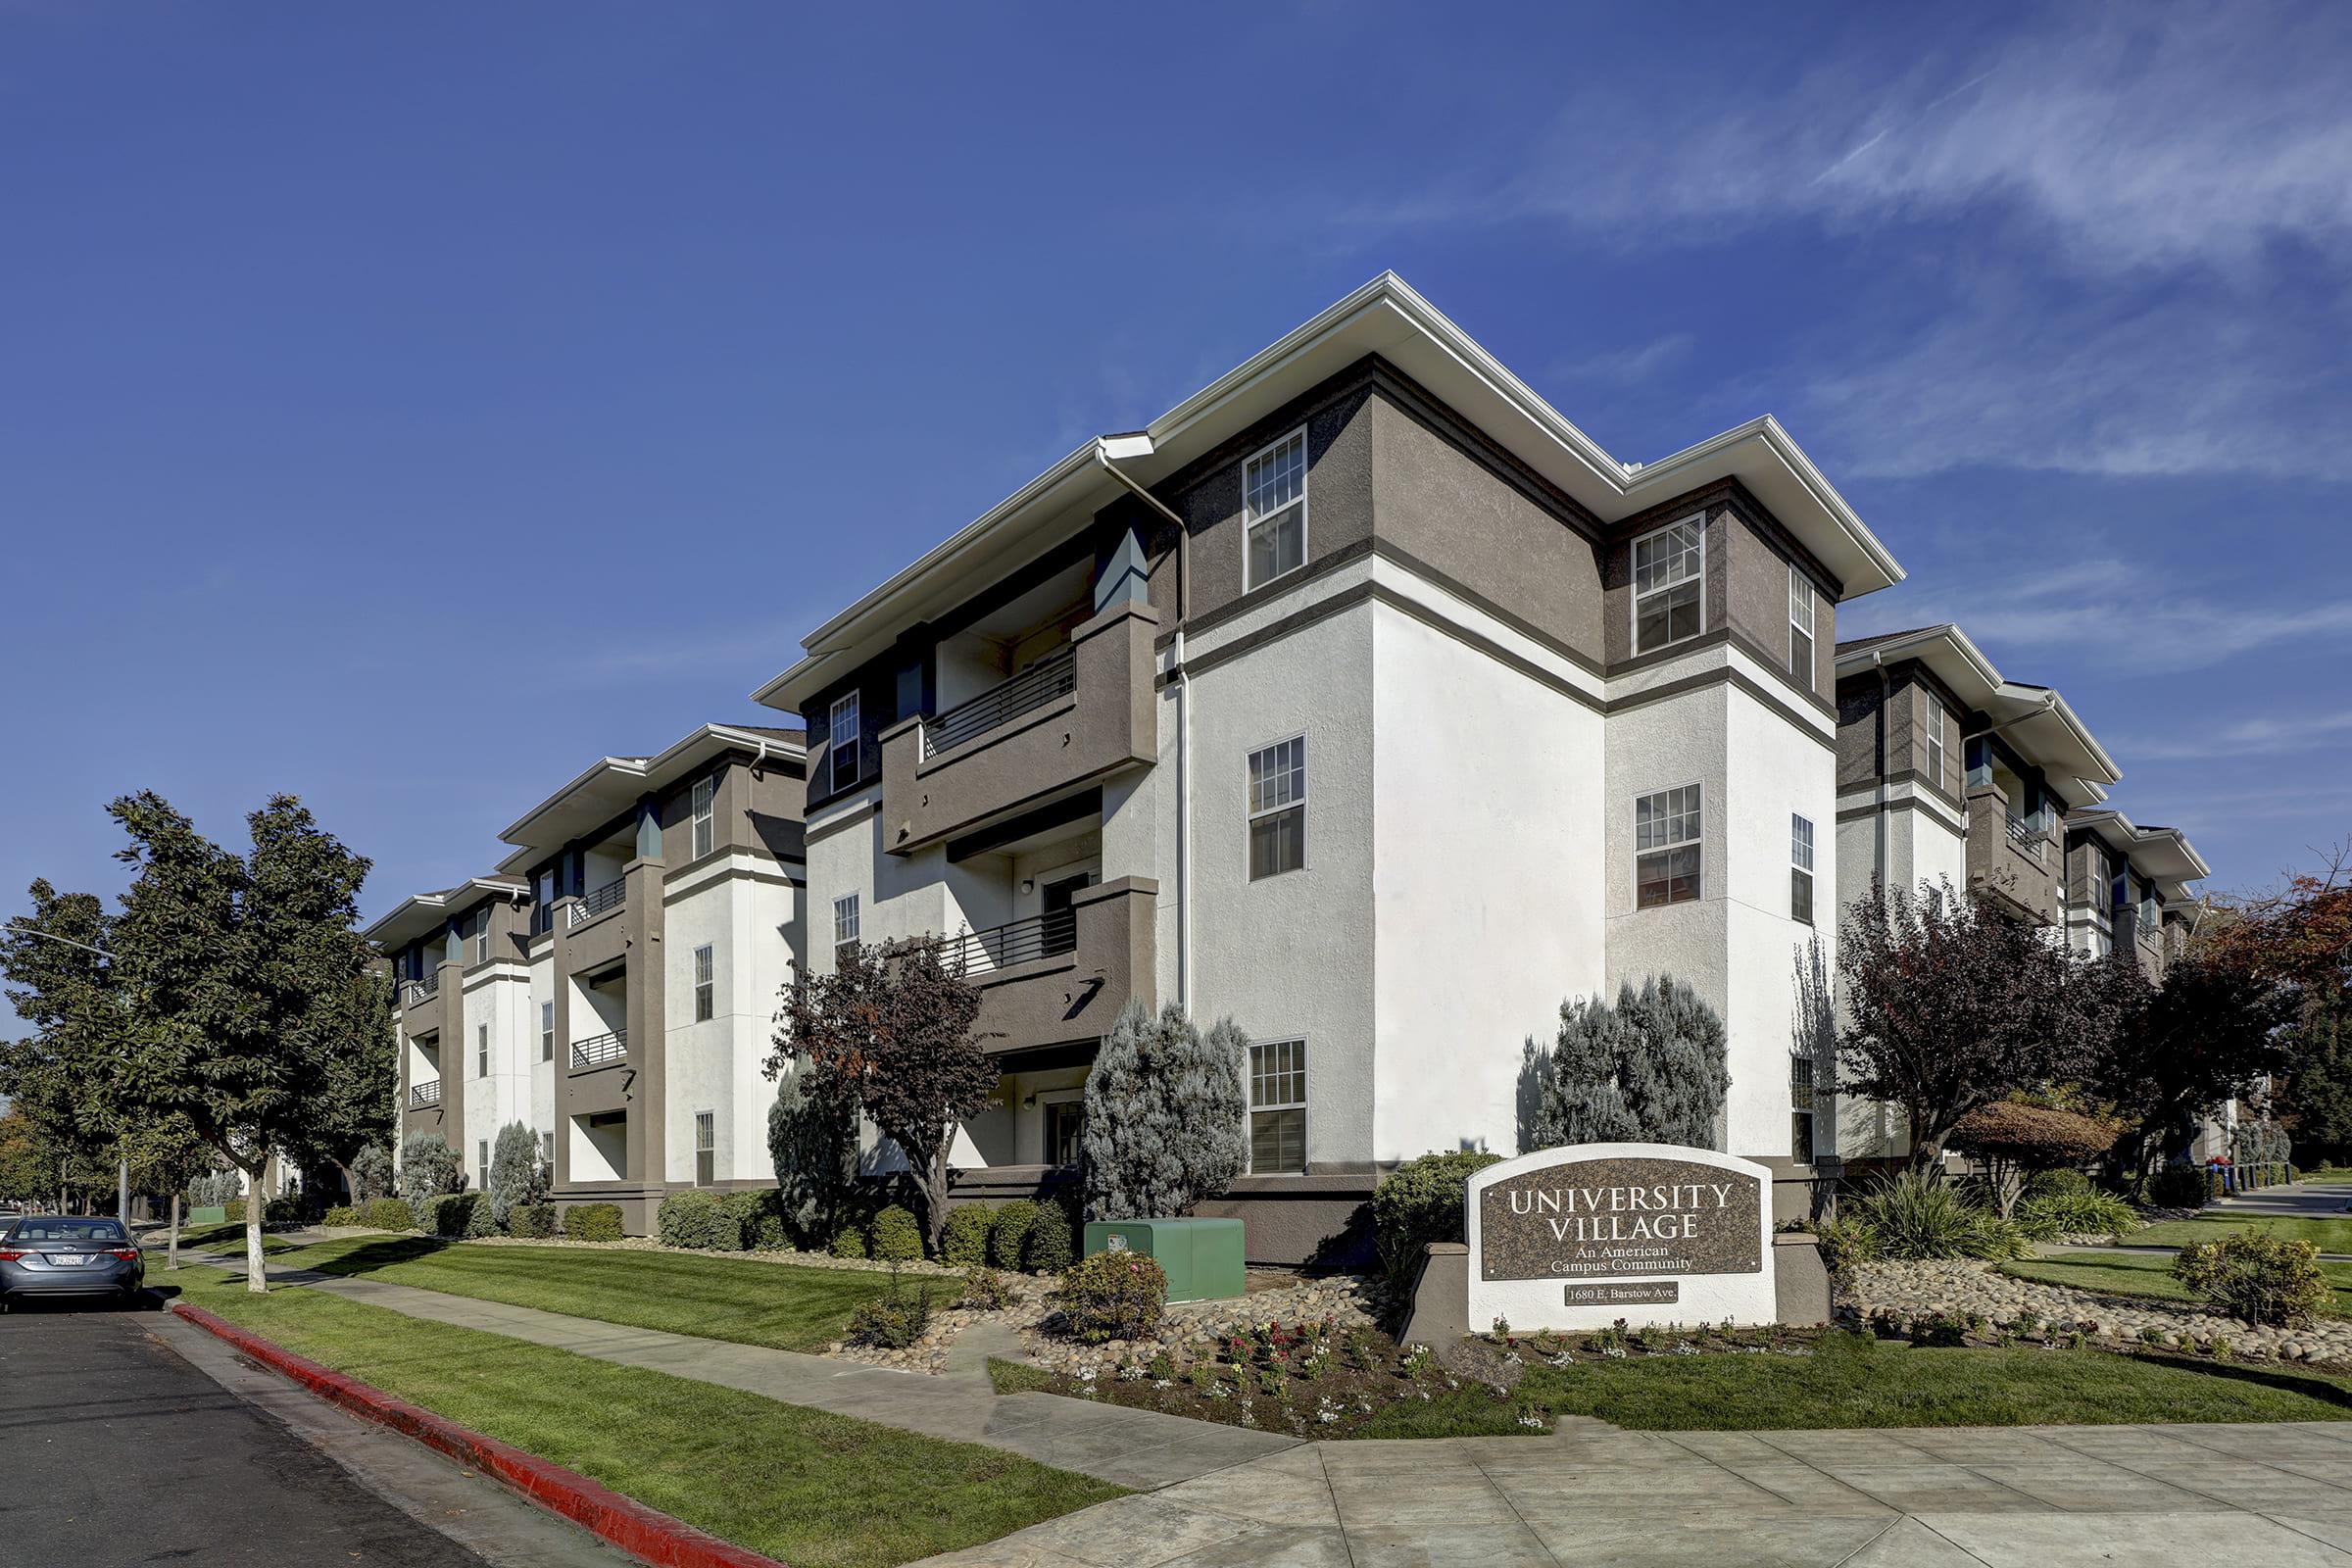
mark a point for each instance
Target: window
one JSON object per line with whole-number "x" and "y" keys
{"x": 705, "y": 1148}
{"x": 481, "y": 1157}
{"x": 547, "y": 1031}
{"x": 703, "y": 987}
{"x": 547, "y": 1149}
{"x": 845, "y": 922}
{"x": 482, "y": 1051}
{"x": 1274, "y": 509}
{"x": 1667, "y": 567}
{"x": 481, "y": 937}
{"x": 1277, "y": 808}
{"x": 1666, "y": 839}
{"x": 1801, "y": 628}
{"x": 1801, "y": 869}
{"x": 1935, "y": 743}
{"x": 1278, "y": 1106}
{"x": 841, "y": 743}
{"x": 1800, "y": 1109}
{"x": 1065, "y": 1132}
{"x": 543, "y": 902}
{"x": 706, "y": 825}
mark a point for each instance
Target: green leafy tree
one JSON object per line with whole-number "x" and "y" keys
{"x": 1648, "y": 1070}
{"x": 2180, "y": 1050}
{"x": 1166, "y": 1114}
{"x": 371, "y": 1174}
{"x": 517, "y": 1176}
{"x": 812, "y": 1142}
{"x": 891, "y": 1030}
{"x": 354, "y": 1108}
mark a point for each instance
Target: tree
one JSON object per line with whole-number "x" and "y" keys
{"x": 66, "y": 1075}
{"x": 428, "y": 1167}
{"x": 812, "y": 1141}
{"x": 30, "y": 1157}
{"x": 2013, "y": 1139}
{"x": 2300, "y": 931}
{"x": 165, "y": 1157}
{"x": 516, "y": 1177}
{"x": 1952, "y": 1005}
{"x": 353, "y": 1109}
{"x": 371, "y": 1174}
{"x": 2180, "y": 1049}
{"x": 1648, "y": 1070}
{"x": 1166, "y": 1114}
{"x": 891, "y": 1027}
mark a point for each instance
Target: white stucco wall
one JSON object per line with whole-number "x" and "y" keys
{"x": 744, "y": 910}
{"x": 497, "y": 997}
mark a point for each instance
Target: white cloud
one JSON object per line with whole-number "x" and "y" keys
{"x": 2247, "y": 737}
{"x": 1627, "y": 367}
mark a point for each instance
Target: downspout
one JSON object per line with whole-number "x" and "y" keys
{"x": 1183, "y": 731}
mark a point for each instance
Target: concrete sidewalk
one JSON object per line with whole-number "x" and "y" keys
{"x": 2000, "y": 1497}
{"x": 1139, "y": 1448}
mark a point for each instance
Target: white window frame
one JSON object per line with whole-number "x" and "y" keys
{"x": 1306, "y": 1088}
{"x": 481, "y": 1147}
{"x": 833, "y": 752}
{"x": 1250, "y": 522}
{"x": 847, "y": 920}
{"x": 1251, "y": 815}
{"x": 706, "y": 1148}
{"x": 1698, "y": 841}
{"x": 547, "y": 1031}
{"x": 1800, "y": 864}
{"x": 482, "y": 1051}
{"x": 1696, "y": 520}
{"x": 1804, "y": 628}
{"x": 481, "y": 937}
{"x": 705, "y": 989}
{"x": 547, "y": 1149}
{"x": 705, "y": 816}
{"x": 1939, "y": 754}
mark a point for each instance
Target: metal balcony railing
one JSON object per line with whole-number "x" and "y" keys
{"x": 423, "y": 990}
{"x": 598, "y": 1050}
{"x": 1000, "y": 946}
{"x": 608, "y": 897}
{"x": 1054, "y": 675}
{"x": 425, "y": 1096}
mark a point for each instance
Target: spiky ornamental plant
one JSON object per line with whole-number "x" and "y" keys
{"x": 1650, "y": 1069}
{"x": 516, "y": 1178}
{"x": 1165, "y": 1115}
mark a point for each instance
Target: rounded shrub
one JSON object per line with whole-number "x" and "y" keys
{"x": 2256, "y": 1276}
{"x": 1048, "y": 1250}
{"x": 388, "y": 1214}
{"x": 699, "y": 1219}
{"x": 848, "y": 1242}
{"x": 1418, "y": 1202}
{"x": 2045, "y": 1216}
{"x": 2178, "y": 1187}
{"x": 593, "y": 1222}
{"x": 965, "y": 1241}
{"x": 892, "y": 1321}
{"x": 341, "y": 1214}
{"x": 481, "y": 1218}
{"x": 533, "y": 1221}
{"x": 1114, "y": 1295}
{"x": 759, "y": 1218}
{"x": 897, "y": 1238}
{"x": 1008, "y": 1232}
{"x": 282, "y": 1211}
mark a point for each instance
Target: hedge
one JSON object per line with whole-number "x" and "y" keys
{"x": 1418, "y": 1202}
{"x": 341, "y": 1215}
{"x": 533, "y": 1221}
{"x": 897, "y": 1238}
{"x": 965, "y": 1242}
{"x": 593, "y": 1222}
{"x": 1047, "y": 1248}
{"x": 697, "y": 1219}
{"x": 388, "y": 1214}
{"x": 1008, "y": 1233}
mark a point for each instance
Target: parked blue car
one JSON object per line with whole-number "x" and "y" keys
{"x": 56, "y": 1255}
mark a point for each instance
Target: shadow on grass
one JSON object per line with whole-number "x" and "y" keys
{"x": 368, "y": 1257}
{"x": 2312, "y": 1384}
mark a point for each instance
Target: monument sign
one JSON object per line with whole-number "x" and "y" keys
{"x": 1578, "y": 1238}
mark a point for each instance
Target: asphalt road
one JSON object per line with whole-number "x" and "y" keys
{"x": 115, "y": 1450}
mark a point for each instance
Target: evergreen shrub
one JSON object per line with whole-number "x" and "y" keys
{"x": 897, "y": 1238}
{"x": 964, "y": 1244}
{"x": 1418, "y": 1202}
{"x": 1008, "y": 1233}
{"x": 1114, "y": 1295}
{"x": 593, "y": 1222}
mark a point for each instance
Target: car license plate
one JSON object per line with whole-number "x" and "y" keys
{"x": 73, "y": 1260}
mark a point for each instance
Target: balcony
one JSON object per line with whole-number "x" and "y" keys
{"x": 1063, "y": 977}
{"x": 412, "y": 992}
{"x": 599, "y": 1051}
{"x": 425, "y": 1096}
{"x": 2013, "y": 858}
{"x": 611, "y": 896}
{"x": 1075, "y": 717}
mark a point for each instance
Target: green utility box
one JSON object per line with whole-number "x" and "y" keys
{"x": 1202, "y": 1257}
{"x": 216, "y": 1214}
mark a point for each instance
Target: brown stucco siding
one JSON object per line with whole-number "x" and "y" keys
{"x": 1858, "y": 732}
{"x": 1756, "y": 602}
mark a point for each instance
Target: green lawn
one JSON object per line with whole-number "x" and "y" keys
{"x": 2328, "y": 1235}
{"x": 2142, "y": 1274}
{"x": 802, "y": 1485}
{"x": 775, "y": 1305}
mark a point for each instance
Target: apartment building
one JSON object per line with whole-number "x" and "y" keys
{"x": 1363, "y": 699}
{"x": 2131, "y": 884}
{"x": 618, "y": 973}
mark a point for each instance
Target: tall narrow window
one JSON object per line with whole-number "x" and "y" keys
{"x": 703, "y": 986}
{"x": 481, "y": 1157}
{"x": 1800, "y": 1109}
{"x": 482, "y": 936}
{"x": 1277, "y": 808}
{"x": 1278, "y": 1106}
{"x": 706, "y": 824}
{"x": 543, "y": 902}
{"x": 705, "y": 1148}
{"x": 1666, "y": 848}
{"x": 1801, "y": 869}
{"x": 1667, "y": 567}
{"x": 482, "y": 1051}
{"x": 843, "y": 737}
{"x": 547, "y": 1031}
{"x": 845, "y": 922}
{"x": 1801, "y": 628}
{"x": 1274, "y": 509}
{"x": 1935, "y": 742}
{"x": 547, "y": 1149}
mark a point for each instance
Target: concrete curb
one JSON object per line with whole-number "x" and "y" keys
{"x": 642, "y": 1532}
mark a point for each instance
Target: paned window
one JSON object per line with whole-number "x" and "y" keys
{"x": 1666, "y": 846}
{"x": 1801, "y": 869}
{"x": 1278, "y": 1106}
{"x": 845, "y": 920}
{"x": 1277, "y": 808}
{"x": 702, "y": 985}
{"x": 705, "y": 817}
{"x": 547, "y": 1031}
{"x": 843, "y": 737}
{"x": 1801, "y": 628}
{"x": 705, "y": 1148}
{"x": 1667, "y": 568}
{"x": 1274, "y": 509}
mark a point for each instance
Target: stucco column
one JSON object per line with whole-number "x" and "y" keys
{"x": 647, "y": 1023}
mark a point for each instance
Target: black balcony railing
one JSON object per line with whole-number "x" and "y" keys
{"x": 415, "y": 991}
{"x": 1000, "y": 946}
{"x": 2023, "y": 834}
{"x": 598, "y": 1050}
{"x": 425, "y": 1096}
{"x": 608, "y": 897}
{"x": 1054, "y": 675}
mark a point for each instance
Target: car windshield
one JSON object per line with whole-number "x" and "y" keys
{"x": 67, "y": 1230}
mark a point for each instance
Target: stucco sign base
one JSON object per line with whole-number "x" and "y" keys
{"x": 1578, "y": 1238}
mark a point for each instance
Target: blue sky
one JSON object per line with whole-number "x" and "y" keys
{"x": 404, "y": 405}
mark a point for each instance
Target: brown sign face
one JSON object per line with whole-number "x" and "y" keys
{"x": 1596, "y": 1219}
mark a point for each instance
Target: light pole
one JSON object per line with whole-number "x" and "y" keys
{"x": 121, "y": 1155}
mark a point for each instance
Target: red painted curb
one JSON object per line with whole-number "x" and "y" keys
{"x": 642, "y": 1532}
